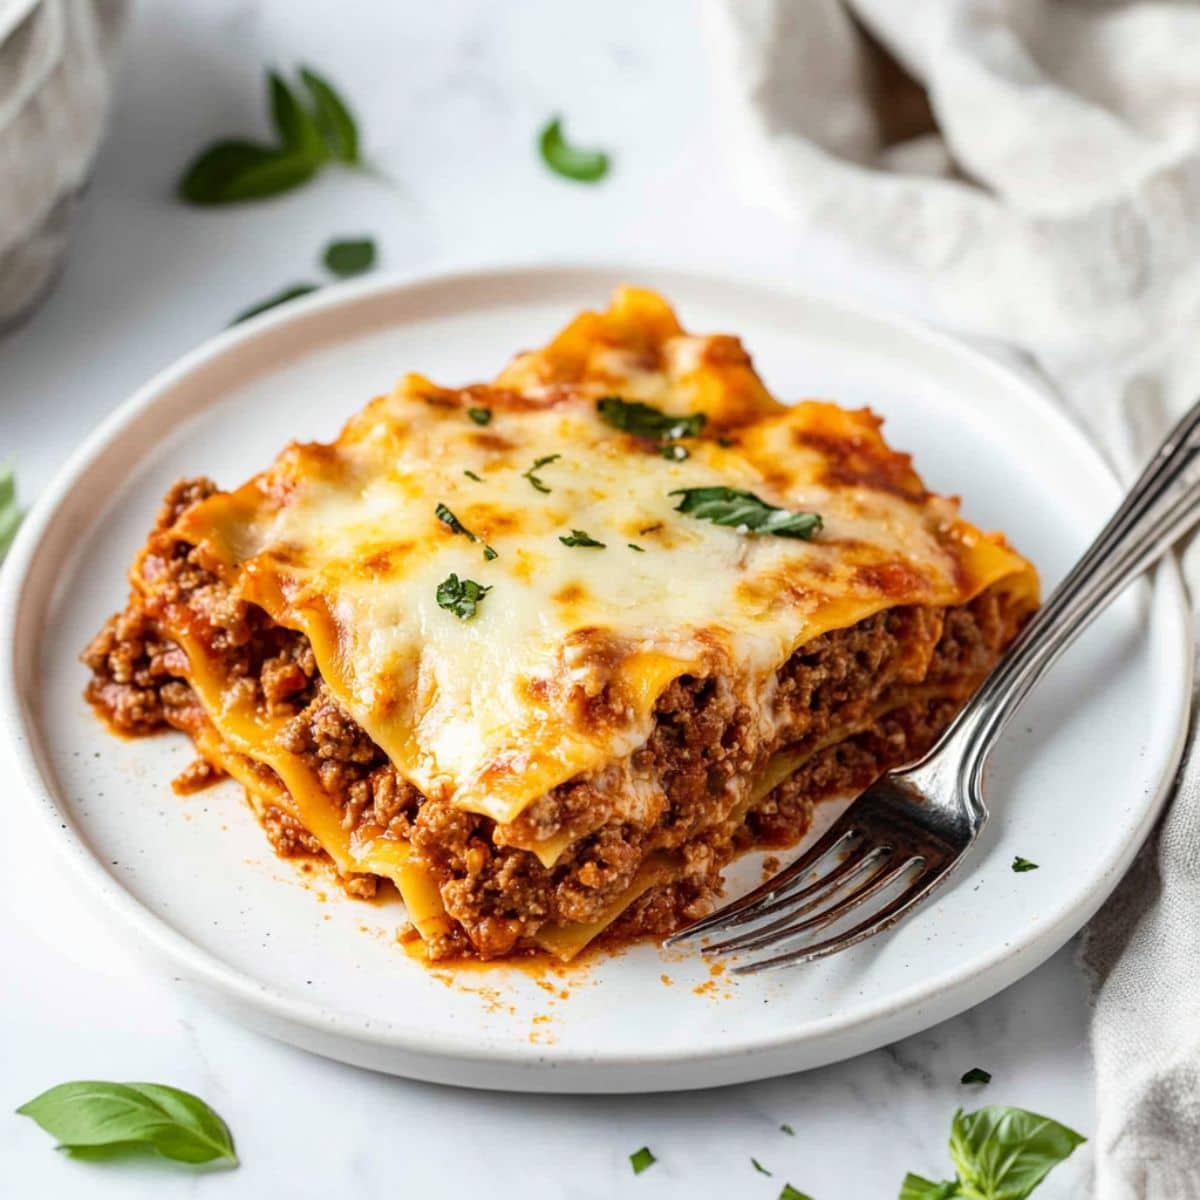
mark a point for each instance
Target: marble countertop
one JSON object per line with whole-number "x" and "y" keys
{"x": 450, "y": 96}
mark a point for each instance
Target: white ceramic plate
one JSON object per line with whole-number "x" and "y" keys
{"x": 1075, "y": 786}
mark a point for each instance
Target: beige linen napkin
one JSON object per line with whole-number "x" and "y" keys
{"x": 1038, "y": 163}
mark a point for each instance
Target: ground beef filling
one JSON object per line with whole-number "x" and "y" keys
{"x": 705, "y": 736}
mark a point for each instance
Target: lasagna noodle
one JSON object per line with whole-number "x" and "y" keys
{"x": 559, "y": 671}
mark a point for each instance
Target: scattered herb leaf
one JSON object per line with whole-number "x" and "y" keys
{"x": 289, "y": 293}
{"x": 790, "y": 1193}
{"x": 89, "y": 1117}
{"x": 641, "y": 1159}
{"x": 916, "y": 1187}
{"x": 580, "y": 537}
{"x": 10, "y": 514}
{"x": 745, "y": 512}
{"x": 448, "y": 519}
{"x": 350, "y": 256}
{"x": 541, "y": 462}
{"x": 675, "y": 452}
{"x": 788, "y": 1130}
{"x": 236, "y": 169}
{"x": 490, "y": 553}
{"x": 462, "y": 597}
{"x": 481, "y": 416}
{"x": 650, "y": 529}
{"x": 332, "y": 116}
{"x": 571, "y": 162}
{"x": 644, "y": 420}
{"x": 759, "y": 1167}
{"x": 472, "y": 475}
{"x": 977, "y": 1075}
{"x": 639, "y": 549}
{"x": 1020, "y": 864}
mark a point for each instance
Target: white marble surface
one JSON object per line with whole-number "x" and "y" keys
{"x": 450, "y": 96}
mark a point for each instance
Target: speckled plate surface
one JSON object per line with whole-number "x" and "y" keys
{"x": 1075, "y": 785}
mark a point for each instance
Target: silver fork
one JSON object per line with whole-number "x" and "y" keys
{"x": 909, "y": 832}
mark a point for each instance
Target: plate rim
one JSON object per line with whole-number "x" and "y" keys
{"x": 1007, "y": 964}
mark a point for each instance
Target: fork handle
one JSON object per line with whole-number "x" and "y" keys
{"x": 1159, "y": 509}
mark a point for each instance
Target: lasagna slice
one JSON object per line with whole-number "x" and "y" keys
{"x": 546, "y": 653}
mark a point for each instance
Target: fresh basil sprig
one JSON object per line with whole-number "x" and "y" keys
{"x": 349, "y": 256}
{"x": 462, "y": 597}
{"x": 571, "y": 162}
{"x": 999, "y": 1153}
{"x": 745, "y": 512}
{"x": 93, "y": 1118}
{"x": 10, "y": 514}
{"x": 236, "y": 169}
{"x": 644, "y": 420}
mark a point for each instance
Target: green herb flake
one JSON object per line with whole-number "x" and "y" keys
{"x": 236, "y": 169}
{"x": 759, "y": 1167}
{"x": 350, "y": 256}
{"x": 788, "y": 1130}
{"x": 94, "y": 1118}
{"x": 745, "y": 512}
{"x": 641, "y": 1160}
{"x": 790, "y": 1193}
{"x": 1021, "y": 865}
{"x": 541, "y": 462}
{"x": 489, "y": 553}
{"x": 977, "y": 1075}
{"x": 644, "y": 420}
{"x": 452, "y": 523}
{"x": 580, "y": 537}
{"x": 633, "y": 546}
{"x": 481, "y": 416}
{"x": 10, "y": 513}
{"x": 472, "y": 475}
{"x": 288, "y": 293}
{"x": 571, "y": 162}
{"x": 462, "y": 597}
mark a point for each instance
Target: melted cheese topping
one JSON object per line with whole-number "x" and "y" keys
{"x": 558, "y": 671}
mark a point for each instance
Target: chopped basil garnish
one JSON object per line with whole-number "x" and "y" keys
{"x": 759, "y": 1167}
{"x": 481, "y": 416}
{"x": 675, "y": 452}
{"x": 999, "y": 1153}
{"x": 644, "y": 420}
{"x": 788, "y": 1130}
{"x": 745, "y": 512}
{"x": 641, "y": 1159}
{"x": 639, "y": 549}
{"x": 93, "y": 1119}
{"x": 580, "y": 537}
{"x": 541, "y": 462}
{"x": 583, "y": 166}
{"x": 1020, "y": 864}
{"x": 462, "y": 597}
{"x": 448, "y": 519}
{"x": 472, "y": 475}
{"x": 977, "y": 1075}
{"x": 350, "y": 256}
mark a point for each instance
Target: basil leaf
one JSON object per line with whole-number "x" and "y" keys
{"x": 745, "y": 512}
{"x": 210, "y": 176}
{"x": 288, "y": 293}
{"x": 481, "y": 416}
{"x": 332, "y": 116}
{"x": 1004, "y": 1153}
{"x": 462, "y": 597}
{"x": 915, "y": 1187}
{"x": 272, "y": 177}
{"x": 296, "y": 128}
{"x": 92, "y": 1118}
{"x": 580, "y": 537}
{"x": 759, "y": 1167}
{"x": 790, "y": 1193}
{"x": 977, "y": 1075}
{"x": 644, "y": 420}
{"x": 641, "y": 1159}
{"x": 10, "y": 514}
{"x": 583, "y": 166}
{"x": 448, "y": 519}
{"x": 545, "y": 460}
{"x": 352, "y": 256}
{"x": 1020, "y": 865}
